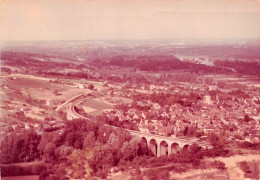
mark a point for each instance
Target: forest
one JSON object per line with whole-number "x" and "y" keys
{"x": 159, "y": 63}
{"x": 90, "y": 149}
{"x": 151, "y": 63}
{"x": 243, "y": 67}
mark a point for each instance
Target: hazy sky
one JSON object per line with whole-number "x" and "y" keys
{"x": 128, "y": 19}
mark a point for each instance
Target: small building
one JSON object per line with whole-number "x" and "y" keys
{"x": 81, "y": 86}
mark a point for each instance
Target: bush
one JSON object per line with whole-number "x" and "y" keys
{"x": 195, "y": 162}
{"x": 218, "y": 164}
{"x": 249, "y": 145}
{"x": 245, "y": 167}
{"x": 215, "y": 152}
{"x": 91, "y": 87}
{"x": 154, "y": 174}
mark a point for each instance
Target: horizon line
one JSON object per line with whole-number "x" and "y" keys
{"x": 136, "y": 39}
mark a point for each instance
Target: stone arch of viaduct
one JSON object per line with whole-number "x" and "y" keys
{"x": 161, "y": 145}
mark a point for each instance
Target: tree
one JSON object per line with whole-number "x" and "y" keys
{"x": 103, "y": 133}
{"x": 132, "y": 149}
{"x": 62, "y": 152}
{"x": 221, "y": 84}
{"x": 245, "y": 167}
{"x": 105, "y": 157}
{"x": 89, "y": 140}
{"x": 49, "y": 152}
{"x": 218, "y": 164}
{"x": 77, "y": 166}
{"x": 46, "y": 138}
{"x": 17, "y": 147}
{"x": 91, "y": 87}
{"x": 247, "y": 118}
{"x": 194, "y": 148}
{"x": 216, "y": 140}
{"x": 185, "y": 131}
{"x": 209, "y": 81}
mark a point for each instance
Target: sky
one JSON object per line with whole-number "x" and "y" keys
{"x": 26, "y": 20}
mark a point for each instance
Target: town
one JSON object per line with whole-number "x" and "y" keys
{"x": 181, "y": 103}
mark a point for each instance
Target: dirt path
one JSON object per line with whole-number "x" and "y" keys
{"x": 233, "y": 169}
{"x": 119, "y": 176}
{"x": 193, "y": 172}
{"x": 30, "y": 76}
{"x": 24, "y": 163}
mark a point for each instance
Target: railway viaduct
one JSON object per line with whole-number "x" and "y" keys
{"x": 160, "y": 145}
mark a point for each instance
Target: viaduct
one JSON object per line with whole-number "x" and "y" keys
{"x": 160, "y": 145}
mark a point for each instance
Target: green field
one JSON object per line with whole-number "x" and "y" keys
{"x": 29, "y": 83}
{"x": 99, "y": 106}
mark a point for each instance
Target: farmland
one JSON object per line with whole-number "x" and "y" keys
{"x": 96, "y": 106}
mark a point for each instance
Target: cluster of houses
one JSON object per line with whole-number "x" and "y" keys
{"x": 211, "y": 114}
{"x": 39, "y": 128}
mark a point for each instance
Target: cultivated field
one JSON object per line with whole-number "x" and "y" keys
{"x": 97, "y": 107}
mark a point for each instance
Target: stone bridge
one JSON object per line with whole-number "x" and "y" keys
{"x": 163, "y": 145}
